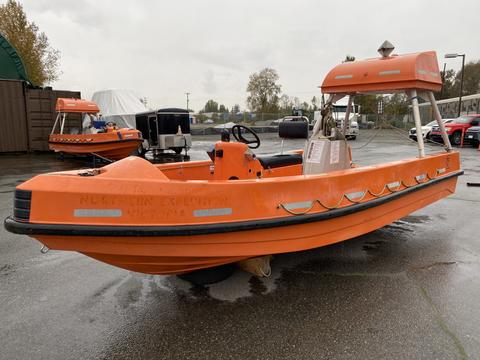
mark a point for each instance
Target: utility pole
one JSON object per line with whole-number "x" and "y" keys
{"x": 187, "y": 93}
{"x": 461, "y": 86}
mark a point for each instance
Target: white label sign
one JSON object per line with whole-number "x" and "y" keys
{"x": 315, "y": 151}
{"x": 334, "y": 152}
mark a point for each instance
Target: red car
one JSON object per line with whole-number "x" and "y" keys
{"x": 456, "y": 128}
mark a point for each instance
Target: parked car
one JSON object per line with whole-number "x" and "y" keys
{"x": 426, "y": 129}
{"x": 472, "y": 136}
{"x": 352, "y": 130}
{"x": 456, "y": 128}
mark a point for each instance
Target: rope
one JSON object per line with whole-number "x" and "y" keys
{"x": 399, "y": 131}
{"x": 311, "y": 207}
{"x": 380, "y": 193}
{"x": 357, "y": 201}
{"x": 404, "y": 133}
{"x": 368, "y": 141}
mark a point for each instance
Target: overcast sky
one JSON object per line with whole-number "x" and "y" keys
{"x": 162, "y": 49}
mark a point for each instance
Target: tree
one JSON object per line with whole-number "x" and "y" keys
{"x": 471, "y": 78}
{"x": 235, "y": 109}
{"x": 211, "y": 106}
{"x": 40, "y": 59}
{"x": 315, "y": 103}
{"x": 222, "y": 109}
{"x": 296, "y": 102}
{"x": 448, "y": 87}
{"x": 452, "y": 80}
{"x": 368, "y": 103}
{"x": 264, "y": 91}
{"x": 285, "y": 103}
{"x": 396, "y": 104}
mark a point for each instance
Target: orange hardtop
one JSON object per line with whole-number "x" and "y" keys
{"x": 71, "y": 105}
{"x": 385, "y": 74}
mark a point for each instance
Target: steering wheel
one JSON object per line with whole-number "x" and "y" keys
{"x": 237, "y": 134}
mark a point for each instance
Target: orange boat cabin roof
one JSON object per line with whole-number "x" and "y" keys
{"x": 385, "y": 74}
{"x": 70, "y": 105}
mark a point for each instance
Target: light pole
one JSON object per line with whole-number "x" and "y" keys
{"x": 187, "y": 93}
{"x": 452, "y": 56}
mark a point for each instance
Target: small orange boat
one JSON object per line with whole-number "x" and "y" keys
{"x": 180, "y": 217}
{"x": 103, "y": 139}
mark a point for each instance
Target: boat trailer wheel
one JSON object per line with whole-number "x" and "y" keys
{"x": 237, "y": 134}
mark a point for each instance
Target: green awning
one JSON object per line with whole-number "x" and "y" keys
{"x": 11, "y": 65}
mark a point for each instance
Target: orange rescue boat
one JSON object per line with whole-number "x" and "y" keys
{"x": 179, "y": 217}
{"x": 102, "y": 139}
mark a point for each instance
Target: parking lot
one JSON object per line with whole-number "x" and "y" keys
{"x": 407, "y": 291}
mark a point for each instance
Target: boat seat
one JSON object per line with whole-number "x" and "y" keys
{"x": 275, "y": 161}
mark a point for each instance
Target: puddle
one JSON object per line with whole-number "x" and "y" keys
{"x": 398, "y": 227}
{"x": 129, "y": 292}
{"x": 7, "y": 269}
{"x": 435, "y": 264}
{"x": 442, "y": 217}
{"x": 257, "y": 287}
{"x": 372, "y": 245}
{"x": 415, "y": 219}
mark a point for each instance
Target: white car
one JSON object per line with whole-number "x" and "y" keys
{"x": 352, "y": 131}
{"x": 426, "y": 129}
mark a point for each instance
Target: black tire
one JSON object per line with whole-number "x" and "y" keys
{"x": 210, "y": 275}
{"x": 456, "y": 138}
{"x": 178, "y": 150}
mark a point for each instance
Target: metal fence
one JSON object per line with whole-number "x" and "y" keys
{"x": 268, "y": 121}
{"x": 449, "y": 108}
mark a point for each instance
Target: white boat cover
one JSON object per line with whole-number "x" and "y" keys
{"x": 118, "y": 106}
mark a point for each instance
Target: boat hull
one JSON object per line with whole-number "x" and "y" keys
{"x": 179, "y": 249}
{"x": 113, "y": 145}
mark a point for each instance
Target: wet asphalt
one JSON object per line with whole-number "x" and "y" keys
{"x": 410, "y": 290}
